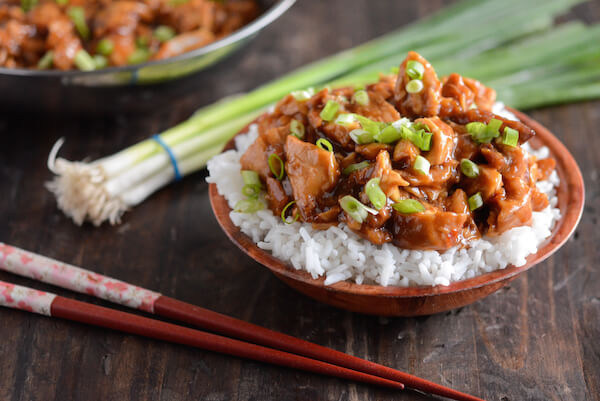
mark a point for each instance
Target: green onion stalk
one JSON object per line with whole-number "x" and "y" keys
{"x": 530, "y": 62}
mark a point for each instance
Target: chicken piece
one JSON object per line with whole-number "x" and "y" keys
{"x": 458, "y": 202}
{"x": 442, "y": 140}
{"x": 183, "y": 43}
{"x": 488, "y": 182}
{"x": 459, "y": 94}
{"x": 42, "y": 15}
{"x": 390, "y": 179}
{"x": 432, "y": 229}
{"x": 484, "y": 97}
{"x": 371, "y": 150}
{"x": 312, "y": 172}
{"x": 63, "y": 39}
{"x": 545, "y": 168}
{"x": 405, "y": 152}
{"x": 121, "y": 17}
{"x": 276, "y": 195}
{"x": 509, "y": 213}
{"x": 426, "y": 103}
{"x": 378, "y": 108}
{"x": 256, "y": 158}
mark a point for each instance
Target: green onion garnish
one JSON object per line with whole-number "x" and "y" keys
{"x": 469, "y": 168}
{"x": 138, "y": 56}
{"x": 251, "y": 191}
{"x": 285, "y": 220}
{"x": 375, "y": 194}
{"x": 100, "y": 61}
{"x": 324, "y": 144}
{"x": 475, "y": 201}
{"x": 249, "y": 206}
{"x": 297, "y": 129}
{"x": 361, "y": 97}
{"x": 355, "y": 167}
{"x": 62, "y": 2}
{"x": 372, "y": 127}
{"x": 408, "y": 206}
{"x": 345, "y": 119}
{"x": 414, "y": 69}
{"x": 355, "y": 209}
{"x": 77, "y": 16}
{"x": 510, "y": 137}
{"x": 105, "y": 47}
{"x": 484, "y": 133}
{"x": 388, "y": 135}
{"x": 46, "y": 61}
{"x": 84, "y": 61}
{"x": 274, "y": 158}
{"x": 303, "y": 95}
{"x": 361, "y": 137}
{"x": 251, "y": 177}
{"x": 330, "y": 110}
{"x": 27, "y": 5}
{"x": 421, "y": 165}
{"x": 414, "y": 86}
{"x": 164, "y": 33}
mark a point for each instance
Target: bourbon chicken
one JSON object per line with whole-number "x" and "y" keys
{"x": 91, "y": 34}
{"x": 413, "y": 160}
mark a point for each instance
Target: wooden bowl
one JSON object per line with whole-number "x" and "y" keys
{"x": 423, "y": 300}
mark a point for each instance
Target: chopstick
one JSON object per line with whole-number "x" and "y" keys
{"x": 45, "y": 303}
{"x": 28, "y": 264}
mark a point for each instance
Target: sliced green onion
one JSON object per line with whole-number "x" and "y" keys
{"x": 355, "y": 167}
{"x": 510, "y": 137}
{"x": 297, "y": 129}
{"x": 46, "y": 61}
{"x": 164, "y": 33}
{"x": 249, "y": 206}
{"x": 285, "y": 220}
{"x": 100, "y": 61}
{"x": 361, "y": 137}
{"x": 388, "y": 135}
{"x": 77, "y": 16}
{"x": 422, "y": 165}
{"x": 414, "y": 86}
{"x": 303, "y": 95}
{"x": 105, "y": 47}
{"x": 345, "y": 119}
{"x": 408, "y": 206}
{"x": 475, "y": 201}
{"x": 414, "y": 69}
{"x": 469, "y": 168}
{"x": 375, "y": 194}
{"x": 141, "y": 41}
{"x": 62, "y": 2}
{"x": 251, "y": 177}
{"x": 274, "y": 158}
{"x": 484, "y": 133}
{"x": 373, "y": 127}
{"x": 84, "y": 61}
{"x": 361, "y": 97}
{"x": 324, "y": 144}
{"x": 138, "y": 56}
{"x": 251, "y": 190}
{"x": 27, "y": 5}
{"x": 355, "y": 209}
{"x": 330, "y": 110}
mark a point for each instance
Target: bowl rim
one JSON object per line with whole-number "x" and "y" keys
{"x": 266, "y": 18}
{"x": 571, "y": 198}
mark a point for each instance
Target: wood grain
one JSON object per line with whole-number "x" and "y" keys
{"x": 536, "y": 339}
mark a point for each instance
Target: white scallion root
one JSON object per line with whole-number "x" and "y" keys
{"x": 79, "y": 191}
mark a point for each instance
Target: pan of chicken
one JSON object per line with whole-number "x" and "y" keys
{"x": 73, "y": 55}
{"x": 408, "y": 196}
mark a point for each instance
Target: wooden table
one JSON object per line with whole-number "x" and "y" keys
{"x": 537, "y": 339}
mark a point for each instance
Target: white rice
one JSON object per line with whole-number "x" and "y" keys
{"x": 340, "y": 254}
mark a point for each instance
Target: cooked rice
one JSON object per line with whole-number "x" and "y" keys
{"x": 340, "y": 254}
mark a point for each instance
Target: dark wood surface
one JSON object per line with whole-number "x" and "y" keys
{"x": 537, "y": 339}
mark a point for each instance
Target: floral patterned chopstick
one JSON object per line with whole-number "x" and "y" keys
{"x": 28, "y": 264}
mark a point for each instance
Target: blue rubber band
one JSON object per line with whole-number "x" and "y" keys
{"x": 167, "y": 149}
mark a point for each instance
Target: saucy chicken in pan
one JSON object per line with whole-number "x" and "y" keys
{"x": 414, "y": 160}
{"x": 92, "y": 34}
